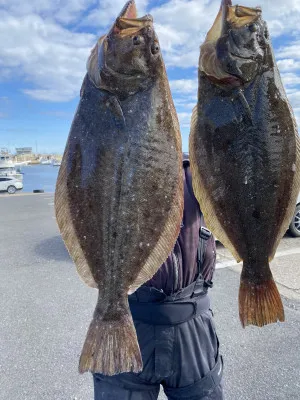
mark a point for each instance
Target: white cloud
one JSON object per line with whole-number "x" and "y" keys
{"x": 295, "y": 100}
{"x": 106, "y": 12}
{"x": 64, "y": 11}
{"x": 45, "y": 55}
{"x": 169, "y": 35}
{"x": 290, "y": 79}
{"x": 186, "y": 15}
{"x": 52, "y": 94}
{"x": 38, "y": 46}
{"x": 290, "y": 50}
{"x": 288, "y": 64}
{"x": 184, "y": 85}
{"x": 185, "y": 103}
{"x": 186, "y": 22}
{"x": 297, "y": 116}
{"x": 184, "y": 119}
{"x": 184, "y": 92}
{"x": 181, "y": 27}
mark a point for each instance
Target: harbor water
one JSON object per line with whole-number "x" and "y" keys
{"x": 42, "y": 177}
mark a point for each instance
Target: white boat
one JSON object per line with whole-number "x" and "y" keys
{"x": 8, "y": 167}
{"x": 56, "y": 163}
{"x": 19, "y": 163}
{"x": 45, "y": 161}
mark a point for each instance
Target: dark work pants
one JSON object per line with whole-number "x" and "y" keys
{"x": 178, "y": 357}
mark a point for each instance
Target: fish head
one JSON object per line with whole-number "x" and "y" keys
{"x": 128, "y": 56}
{"x": 132, "y": 46}
{"x": 240, "y": 40}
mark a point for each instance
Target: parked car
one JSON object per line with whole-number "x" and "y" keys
{"x": 294, "y": 228}
{"x": 10, "y": 184}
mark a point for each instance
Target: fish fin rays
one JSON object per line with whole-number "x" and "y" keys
{"x": 114, "y": 106}
{"x": 202, "y": 194}
{"x": 83, "y": 85}
{"x": 289, "y": 212}
{"x": 259, "y": 304}
{"x": 111, "y": 346}
{"x": 67, "y": 230}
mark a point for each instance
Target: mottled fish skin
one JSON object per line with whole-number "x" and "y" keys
{"x": 119, "y": 196}
{"x": 245, "y": 153}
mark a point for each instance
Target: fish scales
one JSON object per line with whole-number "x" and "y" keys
{"x": 244, "y": 150}
{"x": 119, "y": 195}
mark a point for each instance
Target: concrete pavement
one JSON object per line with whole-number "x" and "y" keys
{"x": 46, "y": 309}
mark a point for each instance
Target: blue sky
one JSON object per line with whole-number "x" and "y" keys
{"x": 44, "y": 46}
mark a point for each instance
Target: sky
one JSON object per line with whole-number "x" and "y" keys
{"x": 44, "y": 46}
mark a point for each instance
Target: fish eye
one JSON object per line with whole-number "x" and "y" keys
{"x": 136, "y": 40}
{"x": 155, "y": 48}
{"x": 253, "y": 28}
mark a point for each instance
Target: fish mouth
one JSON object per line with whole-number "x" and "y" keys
{"x": 129, "y": 10}
{"x": 229, "y": 17}
{"x": 127, "y": 23}
{"x": 239, "y": 16}
{"x": 128, "y": 26}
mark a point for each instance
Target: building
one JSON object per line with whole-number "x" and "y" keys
{"x": 23, "y": 150}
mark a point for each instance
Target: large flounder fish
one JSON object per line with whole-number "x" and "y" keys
{"x": 245, "y": 153}
{"x": 119, "y": 194}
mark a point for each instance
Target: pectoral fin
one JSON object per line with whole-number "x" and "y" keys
{"x": 113, "y": 104}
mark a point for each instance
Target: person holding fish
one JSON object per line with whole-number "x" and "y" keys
{"x": 127, "y": 213}
{"x": 173, "y": 321}
{"x": 122, "y": 201}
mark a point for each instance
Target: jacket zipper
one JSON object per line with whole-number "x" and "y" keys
{"x": 176, "y": 272}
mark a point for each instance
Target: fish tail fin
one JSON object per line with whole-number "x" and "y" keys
{"x": 259, "y": 303}
{"x": 111, "y": 345}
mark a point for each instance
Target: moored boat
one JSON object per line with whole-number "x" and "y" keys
{"x": 8, "y": 167}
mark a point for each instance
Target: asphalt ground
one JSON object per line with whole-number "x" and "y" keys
{"x": 46, "y": 309}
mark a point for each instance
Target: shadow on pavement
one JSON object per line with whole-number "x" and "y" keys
{"x": 52, "y": 249}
